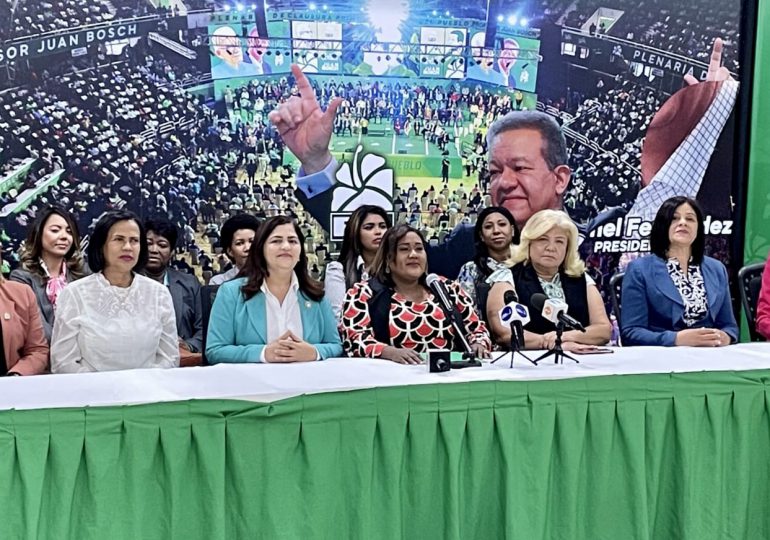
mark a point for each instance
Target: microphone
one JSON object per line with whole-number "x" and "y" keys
{"x": 438, "y": 289}
{"x": 555, "y": 311}
{"x": 516, "y": 316}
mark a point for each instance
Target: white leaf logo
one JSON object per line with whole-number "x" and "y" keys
{"x": 364, "y": 181}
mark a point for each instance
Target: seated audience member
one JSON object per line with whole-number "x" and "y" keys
{"x": 115, "y": 318}
{"x": 494, "y": 233}
{"x": 274, "y": 312}
{"x": 394, "y": 315}
{"x": 546, "y": 261}
{"x": 676, "y": 295}
{"x": 51, "y": 259}
{"x": 363, "y": 234}
{"x": 22, "y": 341}
{"x": 763, "y": 305}
{"x": 236, "y": 237}
{"x": 185, "y": 288}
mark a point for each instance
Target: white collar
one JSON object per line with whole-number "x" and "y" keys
{"x": 293, "y": 286}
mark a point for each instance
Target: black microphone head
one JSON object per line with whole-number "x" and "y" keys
{"x": 509, "y": 297}
{"x": 538, "y": 301}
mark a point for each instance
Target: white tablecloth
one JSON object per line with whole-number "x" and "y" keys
{"x": 271, "y": 382}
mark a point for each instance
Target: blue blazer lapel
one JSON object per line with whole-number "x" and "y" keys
{"x": 257, "y": 315}
{"x": 662, "y": 281}
{"x": 307, "y": 309}
{"x": 714, "y": 286}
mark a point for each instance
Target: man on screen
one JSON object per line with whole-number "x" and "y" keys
{"x": 257, "y": 49}
{"x": 528, "y": 165}
{"x": 226, "y": 46}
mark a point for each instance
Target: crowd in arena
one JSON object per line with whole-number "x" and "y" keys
{"x": 26, "y": 17}
{"x": 682, "y": 27}
{"x": 123, "y": 147}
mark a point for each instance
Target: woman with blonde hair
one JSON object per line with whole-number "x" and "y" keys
{"x": 546, "y": 261}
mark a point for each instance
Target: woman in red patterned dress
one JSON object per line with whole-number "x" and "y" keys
{"x": 394, "y": 315}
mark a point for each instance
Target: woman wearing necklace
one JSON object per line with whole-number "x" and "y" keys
{"x": 363, "y": 234}
{"x": 115, "y": 318}
{"x": 676, "y": 295}
{"x": 394, "y": 316}
{"x": 50, "y": 260}
{"x": 546, "y": 261}
{"x": 274, "y": 312}
{"x": 494, "y": 234}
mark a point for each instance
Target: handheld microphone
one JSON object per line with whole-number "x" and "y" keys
{"x": 555, "y": 311}
{"x": 516, "y": 316}
{"x": 437, "y": 287}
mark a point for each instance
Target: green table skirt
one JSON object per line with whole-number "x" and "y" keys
{"x": 643, "y": 456}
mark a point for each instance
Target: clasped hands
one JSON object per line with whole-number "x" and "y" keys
{"x": 290, "y": 348}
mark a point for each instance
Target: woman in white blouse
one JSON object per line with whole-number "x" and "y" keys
{"x": 115, "y": 318}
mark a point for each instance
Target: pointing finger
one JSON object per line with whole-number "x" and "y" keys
{"x": 303, "y": 85}
{"x": 716, "y": 59}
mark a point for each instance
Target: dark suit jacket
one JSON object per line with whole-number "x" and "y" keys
{"x": 653, "y": 309}
{"x": 25, "y": 346}
{"x": 185, "y": 291}
{"x": 37, "y": 284}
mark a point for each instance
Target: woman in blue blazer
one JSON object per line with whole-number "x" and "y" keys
{"x": 676, "y": 295}
{"x": 276, "y": 313}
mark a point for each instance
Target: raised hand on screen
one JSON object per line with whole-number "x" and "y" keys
{"x": 305, "y": 128}
{"x": 716, "y": 72}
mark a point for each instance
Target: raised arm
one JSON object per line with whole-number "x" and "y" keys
{"x": 305, "y": 128}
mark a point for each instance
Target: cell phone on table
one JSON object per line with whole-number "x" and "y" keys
{"x": 589, "y": 349}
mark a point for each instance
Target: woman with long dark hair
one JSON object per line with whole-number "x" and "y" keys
{"x": 274, "y": 312}
{"x": 394, "y": 315}
{"x": 363, "y": 234}
{"x": 494, "y": 234}
{"x": 50, "y": 260}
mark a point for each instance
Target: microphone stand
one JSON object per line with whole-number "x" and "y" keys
{"x": 469, "y": 357}
{"x": 557, "y": 352}
{"x": 516, "y": 343}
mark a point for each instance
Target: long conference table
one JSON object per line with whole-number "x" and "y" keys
{"x": 645, "y": 443}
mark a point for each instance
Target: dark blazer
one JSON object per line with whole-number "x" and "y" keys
{"x": 185, "y": 291}
{"x": 653, "y": 309}
{"x": 37, "y": 284}
{"x": 25, "y": 346}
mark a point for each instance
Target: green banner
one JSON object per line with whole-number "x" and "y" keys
{"x": 667, "y": 456}
{"x": 757, "y": 237}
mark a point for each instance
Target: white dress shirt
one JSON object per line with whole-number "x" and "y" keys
{"x": 100, "y": 327}
{"x": 283, "y": 316}
{"x": 335, "y": 286}
{"x": 225, "y": 277}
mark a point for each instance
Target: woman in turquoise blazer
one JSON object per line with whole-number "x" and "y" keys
{"x": 276, "y": 313}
